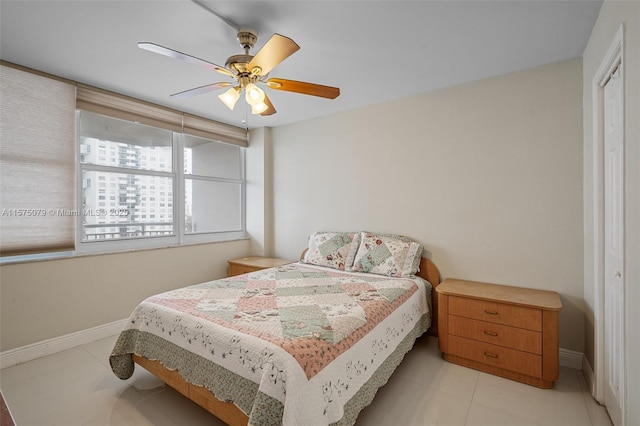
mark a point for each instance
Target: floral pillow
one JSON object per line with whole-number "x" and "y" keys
{"x": 387, "y": 255}
{"x": 333, "y": 249}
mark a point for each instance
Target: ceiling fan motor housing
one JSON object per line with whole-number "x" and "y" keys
{"x": 239, "y": 63}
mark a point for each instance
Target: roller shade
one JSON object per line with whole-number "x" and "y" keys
{"x": 37, "y": 163}
{"x": 119, "y": 106}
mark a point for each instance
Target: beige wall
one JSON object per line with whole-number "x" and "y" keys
{"x": 487, "y": 175}
{"x": 259, "y": 192}
{"x": 612, "y": 15}
{"x": 48, "y": 299}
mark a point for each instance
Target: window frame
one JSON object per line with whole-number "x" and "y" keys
{"x": 116, "y": 105}
{"x": 178, "y": 178}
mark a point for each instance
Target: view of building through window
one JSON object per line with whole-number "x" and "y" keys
{"x": 131, "y": 187}
{"x": 124, "y": 205}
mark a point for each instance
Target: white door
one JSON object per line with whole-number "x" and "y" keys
{"x": 614, "y": 247}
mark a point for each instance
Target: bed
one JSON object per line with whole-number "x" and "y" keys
{"x": 305, "y": 343}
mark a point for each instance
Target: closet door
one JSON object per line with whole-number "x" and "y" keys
{"x": 614, "y": 247}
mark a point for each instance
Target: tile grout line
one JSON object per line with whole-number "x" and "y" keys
{"x": 588, "y": 399}
{"x": 473, "y": 394}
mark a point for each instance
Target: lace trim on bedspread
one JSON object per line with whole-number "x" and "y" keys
{"x": 224, "y": 384}
{"x": 227, "y": 386}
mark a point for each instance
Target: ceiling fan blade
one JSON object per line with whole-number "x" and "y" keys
{"x": 271, "y": 109}
{"x": 276, "y": 50}
{"x": 156, "y": 48}
{"x": 304, "y": 88}
{"x": 200, "y": 90}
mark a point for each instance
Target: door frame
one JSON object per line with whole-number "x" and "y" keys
{"x": 611, "y": 60}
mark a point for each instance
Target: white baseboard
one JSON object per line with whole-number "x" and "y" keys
{"x": 571, "y": 359}
{"x": 57, "y": 344}
{"x": 589, "y": 375}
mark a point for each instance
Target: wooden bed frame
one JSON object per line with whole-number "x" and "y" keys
{"x": 228, "y": 412}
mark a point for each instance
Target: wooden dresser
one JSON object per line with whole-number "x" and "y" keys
{"x": 507, "y": 331}
{"x": 254, "y": 263}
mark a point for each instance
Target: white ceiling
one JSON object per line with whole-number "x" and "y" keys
{"x": 373, "y": 50}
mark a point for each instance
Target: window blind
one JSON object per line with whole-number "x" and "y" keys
{"x": 131, "y": 109}
{"x": 37, "y": 163}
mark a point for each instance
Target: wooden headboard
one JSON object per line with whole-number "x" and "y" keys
{"x": 429, "y": 271}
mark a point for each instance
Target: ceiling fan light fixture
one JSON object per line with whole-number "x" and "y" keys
{"x": 259, "y": 108}
{"x": 230, "y": 97}
{"x": 254, "y": 94}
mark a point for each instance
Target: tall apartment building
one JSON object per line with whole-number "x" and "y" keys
{"x": 120, "y": 205}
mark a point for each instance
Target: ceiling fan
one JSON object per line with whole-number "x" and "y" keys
{"x": 249, "y": 71}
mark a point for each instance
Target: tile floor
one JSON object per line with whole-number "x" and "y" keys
{"x": 76, "y": 387}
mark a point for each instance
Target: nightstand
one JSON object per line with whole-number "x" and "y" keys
{"x": 507, "y": 331}
{"x": 254, "y": 263}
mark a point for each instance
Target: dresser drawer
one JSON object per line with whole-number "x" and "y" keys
{"x": 516, "y": 316}
{"x": 497, "y": 334}
{"x": 497, "y": 356}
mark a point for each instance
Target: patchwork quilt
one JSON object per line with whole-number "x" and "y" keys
{"x": 297, "y": 344}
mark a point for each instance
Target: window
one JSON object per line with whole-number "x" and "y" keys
{"x": 96, "y": 195}
{"x": 144, "y": 212}
{"x": 213, "y": 186}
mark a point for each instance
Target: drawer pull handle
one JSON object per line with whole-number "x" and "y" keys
{"x": 490, "y": 355}
{"x": 490, "y": 312}
{"x": 491, "y": 333}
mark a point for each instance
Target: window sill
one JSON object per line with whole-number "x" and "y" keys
{"x": 43, "y": 257}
